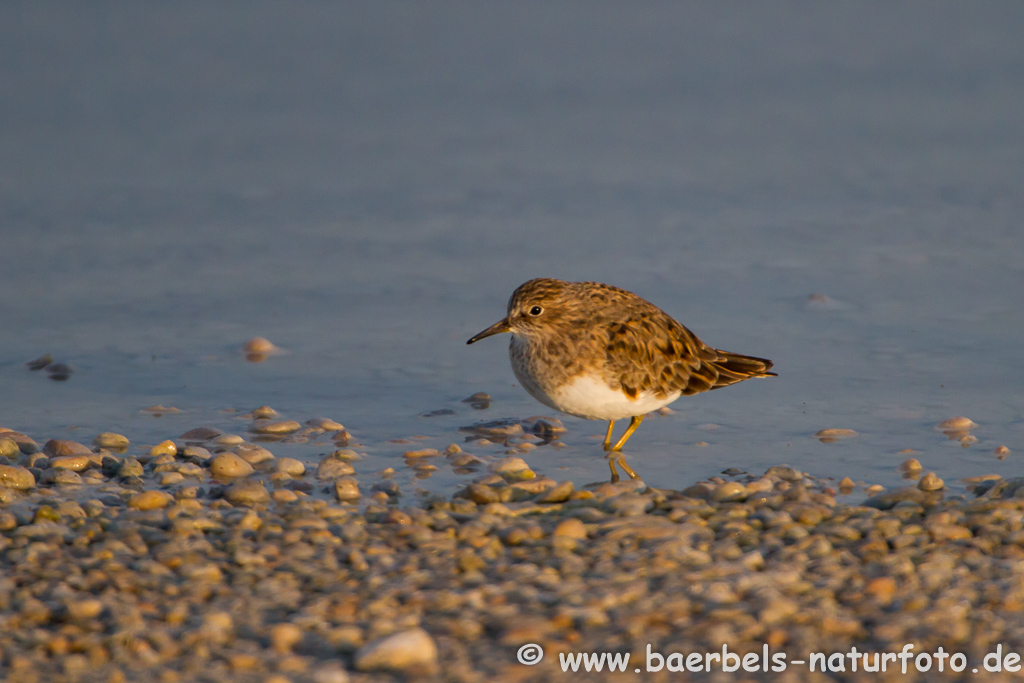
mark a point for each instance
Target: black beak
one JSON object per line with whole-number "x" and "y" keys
{"x": 496, "y": 328}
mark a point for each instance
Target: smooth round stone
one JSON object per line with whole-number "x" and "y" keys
{"x": 283, "y": 637}
{"x": 284, "y": 496}
{"x": 957, "y": 424}
{"x": 26, "y": 444}
{"x": 229, "y": 465}
{"x": 831, "y": 435}
{"x": 275, "y": 426}
{"x": 111, "y": 440}
{"x": 510, "y": 465}
{"x": 332, "y": 468}
{"x": 84, "y": 610}
{"x": 58, "y": 447}
{"x": 411, "y": 650}
{"x": 227, "y": 440}
{"x": 9, "y": 448}
{"x": 290, "y": 466}
{"x": 76, "y": 463}
{"x": 252, "y": 453}
{"x": 150, "y": 500}
{"x": 1002, "y": 450}
{"x": 61, "y": 477}
{"x": 346, "y": 489}
{"x": 559, "y": 494}
{"x": 480, "y": 494}
{"x": 422, "y": 453}
{"x": 730, "y": 491}
{"x": 247, "y": 492}
{"x": 931, "y": 482}
{"x": 164, "y": 448}
{"x": 200, "y": 434}
{"x": 326, "y": 424}
{"x": 170, "y": 478}
{"x": 345, "y": 454}
{"x": 570, "y": 528}
{"x": 15, "y": 477}
{"x": 259, "y": 346}
{"x": 130, "y": 467}
{"x": 196, "y": 454}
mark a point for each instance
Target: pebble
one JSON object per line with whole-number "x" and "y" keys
{"x": 201, "y": 434}
{"x": 290, "y": 466}
{"x": 326, "y": 424}
{"x": 76, "y": 463}
{"x": 59, "y": 447}
{"x": 410, "y": 651}
{"x": 9, "y": 448}
{"x": 956, "y": 424}
{"x": 229, "y": 465}
{"x": 332, "y": 468}
{"x": 150, "y": 500}
{"x": 262, "y": 426}
{"x": 16, "y": 477}
{"x": 111, "y": 440}
{"x": 247, "y": 492}
{"x": 284, "y": 636}
{"x": 422, "y": 453}
{"x": 931, "y": 482}
{"x": 252, "y": 453}
{"x": 832, "y": 435}
{"x": 346, "y": 489}
{"x": 164, "y": 448}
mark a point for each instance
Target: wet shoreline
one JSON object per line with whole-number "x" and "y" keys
{"x": 222, "y": 562}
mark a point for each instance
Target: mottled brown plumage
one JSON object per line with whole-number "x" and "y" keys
{"x": 600, "y": 352}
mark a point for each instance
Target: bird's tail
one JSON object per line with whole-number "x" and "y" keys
{"x": 734, "y": 367}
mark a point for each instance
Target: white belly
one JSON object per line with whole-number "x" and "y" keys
{"x": 589, "y": 397}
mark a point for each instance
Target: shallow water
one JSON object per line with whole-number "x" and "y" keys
{"x": 839, "y": 191}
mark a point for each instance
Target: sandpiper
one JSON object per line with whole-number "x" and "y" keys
{"x": 602, "y": 353}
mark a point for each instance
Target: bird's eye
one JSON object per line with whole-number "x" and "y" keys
{"x": 536, "y": 310}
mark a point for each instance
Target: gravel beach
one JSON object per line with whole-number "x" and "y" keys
{"x": 207, "y": 558}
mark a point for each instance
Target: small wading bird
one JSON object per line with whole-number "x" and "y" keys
{"x": 602, "y": 353}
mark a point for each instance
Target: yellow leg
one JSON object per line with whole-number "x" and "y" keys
{"x": 615, "y": 474}
{"x": 608, "y": 437}
{"x": 633, "y": 424}
{"x": 627, "y": 469}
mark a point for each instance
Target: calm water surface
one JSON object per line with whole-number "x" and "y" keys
{"x": 837, "y": 189}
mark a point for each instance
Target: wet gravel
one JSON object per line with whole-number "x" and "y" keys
{"x": 207, "y": 558}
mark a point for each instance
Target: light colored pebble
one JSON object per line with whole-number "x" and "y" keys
{"x": 1002, "y": 450}
{"x": 164, "y": 448}
{"x": 60, "y": 477}
{"x": 247, "y": 492}
{"x": 290, "y": 466}
{"x": 570, "y": 528}
{"x": 332, "y": 468}
{"x": 412, "y": 650}
{"x": 262, "y": 426}
{"x": 111, "y": 440}
{"x": 931, "y": 482}
{"x": 150, "y": 500}
{"x": 957, "y": 424}
{"x": 259, "y": 346}
{"x": 76, "y": 463}
{"x": 422, "y": 453}
{"x": 227, "y": 440}
{"x": 170, "y": 478}
{"x": 284, "y": 636}
{"x": 9, "y": 448}
{"x": 195, "y": 454}
{"x": 832, "y": 435}
{"x": 18, "y": 478}
{"x": 59, "y": 447}
{"x": 729, "y": 491}
{"x": 326, "y": 424}
{"x": 252, "y": 453}
{"x": 346, "y": 489}
{"x": 229, "y": 465}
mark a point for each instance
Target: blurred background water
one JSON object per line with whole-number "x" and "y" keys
{"x": 839, "y": 188}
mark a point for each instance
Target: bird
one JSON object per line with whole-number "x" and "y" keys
{"x": 600, "y": 352}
